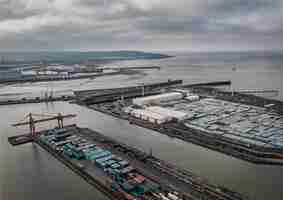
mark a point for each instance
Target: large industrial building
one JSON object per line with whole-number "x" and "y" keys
{"x": 150, "y": 116}
{"x": 173, "y": 114}
{"x": 157, "y": 114}
{"x": 157, "y": 99}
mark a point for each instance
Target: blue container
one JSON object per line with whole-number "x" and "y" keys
{"x": 127, "y": 186}
{"x": 101, "y": 155}
{"x": 94, "y": 151}
{"x": 110, "y": 162}
{"x": 115, "y": 166}
{"x": 104, "y": 159}
{"x": 101, "y": 164}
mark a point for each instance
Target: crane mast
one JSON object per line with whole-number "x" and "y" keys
{"x": 31, "y": 121}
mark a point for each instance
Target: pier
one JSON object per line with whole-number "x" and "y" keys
{"x": 213, "y": 83}
{"x": 257, "y": 91}
{"x": 35, "y": 100}
{"x": 162, "y": 177}
{"x": 134, "y": 68}
{"x": 88, "y": 97}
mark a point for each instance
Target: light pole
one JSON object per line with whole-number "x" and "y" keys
{"x": 143, "y": 88}
{"x": 233, "y": 71}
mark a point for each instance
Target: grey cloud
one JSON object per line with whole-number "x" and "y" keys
{"x": 141, "y": 24}
{"x": 11, "y": 9}
{"x": 242, "y": 6}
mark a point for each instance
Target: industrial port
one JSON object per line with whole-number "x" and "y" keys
{"x": 241, "y": 125}
{"x": 45, "y": 72}
{"x": 118, "y": 170}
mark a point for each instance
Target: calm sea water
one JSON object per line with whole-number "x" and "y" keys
{"x": 28, "y": 172}
{"x": 254, "y": 70}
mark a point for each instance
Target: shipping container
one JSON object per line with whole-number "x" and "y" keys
{"x": 110, "y": 162}
{"x": 127, "y": 186}
{"x": 82, "y": 144}
{"x": 115, "y": 166}
{"x": 96, "y": 151}
{"x": 62, "y": 143}
{"x": 72, "y": 137}
{"x": 124, "y": 163}
{"x": 78, "y": 155}
{"x": 92, "y": 153}
{"x": 100, "y": 155}
{"x": 85, "y": 147}
{"x": 102, "y": 165}
{"x": 118, "y": 158}
{"x": 127, "y": 170}
{"x": 59, "y": 131}
{"x": 105, "y": 158}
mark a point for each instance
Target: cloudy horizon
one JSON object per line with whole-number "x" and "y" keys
{"x": 151, "y": 25}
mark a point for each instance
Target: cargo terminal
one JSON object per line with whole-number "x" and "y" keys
{"x": 118, "y": 170}
{"x": 245, "y": 130}
{"x": 122, "y": 172}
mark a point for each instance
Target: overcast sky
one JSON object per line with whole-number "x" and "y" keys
{"x": 27, "y": 25}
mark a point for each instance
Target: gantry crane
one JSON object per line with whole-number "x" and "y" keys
{"x": 31, "y": 121}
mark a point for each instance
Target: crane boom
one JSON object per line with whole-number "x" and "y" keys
{"x": 44, "y": 120}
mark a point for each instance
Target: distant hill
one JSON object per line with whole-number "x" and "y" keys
{"x": 73, "y": 57}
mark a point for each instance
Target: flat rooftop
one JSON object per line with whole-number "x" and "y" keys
{"x": 248, "y": 124}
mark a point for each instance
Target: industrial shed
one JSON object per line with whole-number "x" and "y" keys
{"x": 168, "y": 112}
{"x": 150, "y": 116}
{"x": 156, "y": 99}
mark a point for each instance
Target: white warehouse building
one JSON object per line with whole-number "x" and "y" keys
{"x": 150, "y": 116}
{"x": 156, "y": 99}
{"x": 168, "y": 112}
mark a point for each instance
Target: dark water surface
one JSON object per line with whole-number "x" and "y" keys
{"x": 28, "y": 172}
{"x": 31, "y": 172}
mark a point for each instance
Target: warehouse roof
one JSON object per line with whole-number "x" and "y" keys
{"x": 167, "y": 112}
{"x": 148, "y": 113}
{"x": 160, "y": 96}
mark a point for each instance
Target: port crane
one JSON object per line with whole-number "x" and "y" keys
{"x": 31, "y": 120}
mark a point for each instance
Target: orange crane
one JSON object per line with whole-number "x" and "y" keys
{"x": 48, "y": 117}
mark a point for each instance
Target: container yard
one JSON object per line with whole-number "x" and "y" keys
{"x": 244, "y": 126}
{"x": 123, "y": 172}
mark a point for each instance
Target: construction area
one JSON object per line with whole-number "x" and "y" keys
{"x": 251, "y": 131}
{"x": 117, "y": 170}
